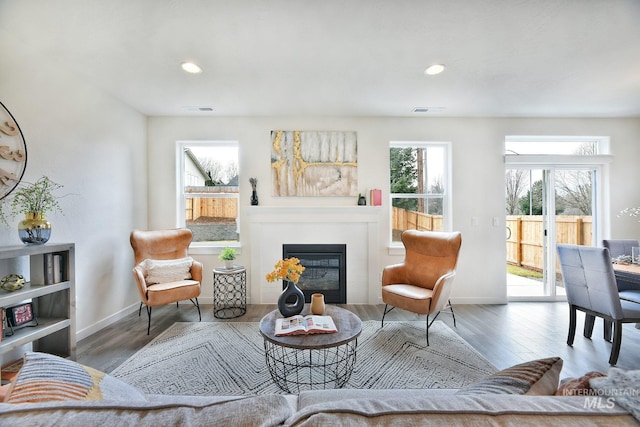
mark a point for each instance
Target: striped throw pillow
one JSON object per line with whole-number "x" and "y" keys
{"x": 538, "y": 377}
{"x": 45, "y": 377}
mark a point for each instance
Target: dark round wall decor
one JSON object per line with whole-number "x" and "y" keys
{"x": 13, "y": 152}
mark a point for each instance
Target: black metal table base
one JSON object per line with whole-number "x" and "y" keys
{"x": 229, "y": 312}
{"x": 295, "y": 370}
{"x": 229, "y": 294}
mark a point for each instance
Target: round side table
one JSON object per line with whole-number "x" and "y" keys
{"x": 229, "y": 292}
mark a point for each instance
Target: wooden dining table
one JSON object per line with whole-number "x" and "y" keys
{"x": 627, "y": 272}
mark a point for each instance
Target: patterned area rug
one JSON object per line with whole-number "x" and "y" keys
{"x": 219, "y": 358}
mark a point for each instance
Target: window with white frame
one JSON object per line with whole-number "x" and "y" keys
{"x": 555, "y": 145}
{"x": 208, "y": 187}
{"x": 420, "y": 187}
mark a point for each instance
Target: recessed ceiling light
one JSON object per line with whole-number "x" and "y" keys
{"x": 190, "y": 67}
{"x": 434, "y": 69}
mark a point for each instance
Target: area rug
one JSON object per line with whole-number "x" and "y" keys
{"x": 227, "y": 358}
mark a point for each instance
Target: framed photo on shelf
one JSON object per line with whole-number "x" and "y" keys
{"x": 20, "y": 315}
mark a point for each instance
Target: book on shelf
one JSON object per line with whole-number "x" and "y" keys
{"x": 47, "y": 269}
{"x": 302, "y": 325}
{"x": 57, "y": 268}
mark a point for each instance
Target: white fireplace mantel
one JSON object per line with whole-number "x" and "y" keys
{"x": 313, "y": 213}
{"x": 356, "y": 226}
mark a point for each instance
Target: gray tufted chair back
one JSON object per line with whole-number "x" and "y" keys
{"x": 589, "y": 279}
{"x": 619, "y": 247}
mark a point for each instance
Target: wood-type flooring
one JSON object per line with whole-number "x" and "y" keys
{"x": 505, "y": 334}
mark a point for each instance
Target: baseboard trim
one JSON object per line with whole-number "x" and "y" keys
{"x": 108, "y": 321}
{"x": 472, "y": 300}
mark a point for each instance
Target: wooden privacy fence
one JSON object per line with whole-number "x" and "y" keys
{"x": 525, "y": 232}
{"x": 402, "y": 219}
{"x": 224, "y": 205}
{"x": 211, "y": 208}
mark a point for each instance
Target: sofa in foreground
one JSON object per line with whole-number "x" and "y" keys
{"x": 51, "y": 391}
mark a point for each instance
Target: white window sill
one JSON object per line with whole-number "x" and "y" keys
{"x": 396, "y": 249}
{"x": 209, "y": 248}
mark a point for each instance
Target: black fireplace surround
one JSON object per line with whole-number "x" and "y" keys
{"x": 325, "y": 270}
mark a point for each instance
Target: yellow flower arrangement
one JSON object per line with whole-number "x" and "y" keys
{"x": 288, "y": 269}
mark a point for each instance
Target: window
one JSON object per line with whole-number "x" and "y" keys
{"x": 420, "y": 187}
{"x": 560, "y": 145}
{"x": 208, "y": 191}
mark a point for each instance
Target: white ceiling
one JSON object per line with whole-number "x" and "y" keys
{"x": 344, "y": 57}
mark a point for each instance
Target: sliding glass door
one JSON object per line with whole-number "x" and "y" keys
{"x": 546, "y": 205}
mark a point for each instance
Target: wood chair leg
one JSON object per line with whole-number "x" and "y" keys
{"x": 589, "y": 320}
{"x": 617, "y": 340}
{"x": 572, "y": 325}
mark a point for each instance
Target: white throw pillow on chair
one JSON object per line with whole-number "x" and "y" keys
{"x": 165, "y": 271}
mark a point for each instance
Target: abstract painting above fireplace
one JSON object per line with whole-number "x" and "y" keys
{"x": 314, "y": 163}
{"x": 325, "y": 270}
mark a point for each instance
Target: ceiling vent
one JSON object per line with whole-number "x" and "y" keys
{"x": 197, "y": 109}
{"x": 428, "y": 109}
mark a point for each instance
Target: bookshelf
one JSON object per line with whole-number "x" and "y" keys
{"x": 53, "y": 304}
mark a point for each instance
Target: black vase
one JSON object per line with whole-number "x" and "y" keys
{"x": 288, "y": 310}
{"x": 254, "y": 198}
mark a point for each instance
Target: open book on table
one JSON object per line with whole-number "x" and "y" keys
{"x": 310, "y": 324}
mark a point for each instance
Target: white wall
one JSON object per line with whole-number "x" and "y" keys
{"x": 478, "y": 177}
{"x": 96, "y": 147}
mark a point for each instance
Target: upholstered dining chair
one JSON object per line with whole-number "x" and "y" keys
{"x": 619, "y": 247}
{"x": 591, "y": 287}
{"x": 164, "y": 272}
{"x": 422, "y": 284}
{"x": 628, "y": 290}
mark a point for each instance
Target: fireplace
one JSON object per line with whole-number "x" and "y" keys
{"x": 325, "y": 270}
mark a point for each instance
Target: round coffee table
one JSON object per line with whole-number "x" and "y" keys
{"x": 314, "y": 361}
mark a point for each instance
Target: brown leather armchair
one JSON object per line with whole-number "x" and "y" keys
{"x": 163, "y": 271}
{"x": 422, "y": 284}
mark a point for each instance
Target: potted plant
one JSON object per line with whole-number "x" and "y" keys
{"x": 228, "y": 255}
{"x": 34, "y": 201}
